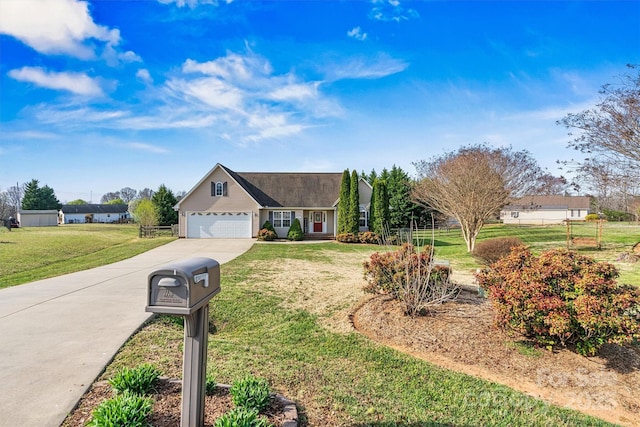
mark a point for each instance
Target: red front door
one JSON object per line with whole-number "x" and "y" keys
{"x": 317, "y": 222}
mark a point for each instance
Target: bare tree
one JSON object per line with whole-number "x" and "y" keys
{"x": 5, "y": 205}
{"x": 127, "y": 194}
{"x": 612, "y": 128}
{"x": 550, "y": 185}
{"x": 474, "y": 183}
{"x": 145, "y": 193}
{"x": 15, "y": 195}
{"x": 612, "y": 185}
{"x": 107, "y": 197}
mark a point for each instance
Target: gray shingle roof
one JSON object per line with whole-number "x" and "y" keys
{"x": 551, "y": 202}
{"x": 290, "y": 189}
{"x": 95, "y": 209}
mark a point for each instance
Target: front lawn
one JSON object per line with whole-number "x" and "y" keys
{"x": 277, "y": 318}
{"x": 34, "y": 253}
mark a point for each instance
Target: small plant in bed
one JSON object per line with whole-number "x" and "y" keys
{"x": 250, "y": 392}
{"x": 139, "y": 380}
{"x": 126, "y": 409}
{"x": 241, "y": 417}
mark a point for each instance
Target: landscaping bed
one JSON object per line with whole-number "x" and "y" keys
{"x": 287, "y": 314}
{"x": 168, "y": 402}
{"x": 460, "y": 336}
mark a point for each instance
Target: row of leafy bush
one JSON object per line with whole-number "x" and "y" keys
{"x": 268, "y": 233}
{"x": 132, "y": 404}
{"x": 368, "y": 237}
{"x": 251, "y": 396}
{"x": 559, "y": 298}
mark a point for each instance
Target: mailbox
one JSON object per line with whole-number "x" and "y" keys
{"x": 183, "y": 287}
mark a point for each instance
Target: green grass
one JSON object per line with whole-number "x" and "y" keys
{"x": 336, "y": 379}
{"x": 616, "y": 238}
{"x": 34, "y": 253}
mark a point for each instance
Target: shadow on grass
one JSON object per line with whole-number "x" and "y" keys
{"x": 413, "y": 424}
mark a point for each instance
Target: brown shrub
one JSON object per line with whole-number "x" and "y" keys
{"x": 489, "y": 251}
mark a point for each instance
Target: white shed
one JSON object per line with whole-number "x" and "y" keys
{"x": 38, "y": 218}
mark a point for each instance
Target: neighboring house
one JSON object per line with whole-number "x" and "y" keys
{"x": 228, "y": 204}
{"x": 103, "y": 213}
{"x": 543, "y": 210}
{"x": 38, "y": 218}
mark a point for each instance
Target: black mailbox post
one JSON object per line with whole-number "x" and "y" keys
{"x": 184, "y": 288}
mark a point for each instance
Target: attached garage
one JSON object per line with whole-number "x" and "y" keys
{"x": 219, "y": 225}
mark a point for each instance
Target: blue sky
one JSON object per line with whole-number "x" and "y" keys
{"x": 100, "y": 95}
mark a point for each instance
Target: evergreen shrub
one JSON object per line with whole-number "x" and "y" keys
{"x": 295, "y": 231}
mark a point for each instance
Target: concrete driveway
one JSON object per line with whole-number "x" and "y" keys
{"x": 57, "y": 335}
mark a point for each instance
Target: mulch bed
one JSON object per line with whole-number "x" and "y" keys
{"x": 167, "y": 405}
{"x": 461, "y": 336}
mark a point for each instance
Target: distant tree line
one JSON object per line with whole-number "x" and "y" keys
{"x": 147, "y": 206}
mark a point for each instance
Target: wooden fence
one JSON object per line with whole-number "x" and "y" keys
{"x": 158, "y": 230}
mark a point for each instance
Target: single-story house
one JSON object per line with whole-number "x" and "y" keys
{"x": 543, "y": 210}
{"x": 102, "y": 213}
{"x": 38, "y": 218}
{"x": 228, "y": 204}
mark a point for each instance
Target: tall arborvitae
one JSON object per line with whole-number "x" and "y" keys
{"x": 381, "y": 207}
{"x": 354, "y": 204}
{"x": 343, "y": 204}
{"x": 372, "y": 207}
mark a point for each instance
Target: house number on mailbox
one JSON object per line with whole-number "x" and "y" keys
{"x": 168, "y": 297}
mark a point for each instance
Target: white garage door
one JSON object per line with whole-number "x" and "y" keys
{"x": 220, "y": 225}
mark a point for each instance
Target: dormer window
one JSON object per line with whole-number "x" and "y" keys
{"x": 218, "y": 189}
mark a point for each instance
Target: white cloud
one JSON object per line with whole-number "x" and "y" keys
{"x": 240, "y": 96}
{"x": 144, "y": 75}
{"x": 55, "y": 26}
{"x": 141, "y": 146}
{"x": 29, "y": 134}
{"x": 366, "y": 68}
{"x": 210, "y": 91}
{"x": 390, "y": 10}
{"x": 357, "y": 34}
{"x": 70, "y": 117}
{"x": 232, "y": 67}
{"x": 295, "y": 91}
{"x": 129, "y": 56}
{"x": 194, "y": 3}
{"x": 249, "y": 97}
{"x": 77, "y": 83}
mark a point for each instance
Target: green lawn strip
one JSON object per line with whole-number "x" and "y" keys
{"x": 29, "y": 254}
{"x": 337, "y": 379}
{"x": 616, "y": 239}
